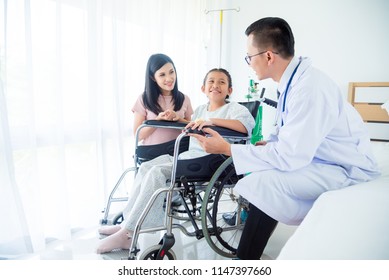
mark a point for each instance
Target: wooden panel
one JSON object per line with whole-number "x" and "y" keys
{"x": 378, "y": 131}
{"x": 372, "y": 112}
{"x": 369, "y": 111}
{"x": 371, "y": 95}
{"x": 368, "y": 104}
{"x": 353, "y": 86}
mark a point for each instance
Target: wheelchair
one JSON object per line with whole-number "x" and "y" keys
{"x": 142, "y": 153}
{"x": 205, "y": 187}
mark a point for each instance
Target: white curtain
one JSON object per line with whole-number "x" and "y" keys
{"x": 70, "y": 71}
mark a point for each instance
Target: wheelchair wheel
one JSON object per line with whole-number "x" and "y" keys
{"x": 118, "y": 219}
{"x": 219, "y": 199}
{"x": 151, "y": 254}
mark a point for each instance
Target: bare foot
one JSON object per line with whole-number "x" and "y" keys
{"x": 118, "y": 240}
{"x": 108, "y": 230}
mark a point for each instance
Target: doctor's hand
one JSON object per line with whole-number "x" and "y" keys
{"x": 260, "y": 143}
{"x": 212, "y": 142}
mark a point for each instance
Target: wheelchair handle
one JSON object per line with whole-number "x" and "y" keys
{"x": 195, "y": 131}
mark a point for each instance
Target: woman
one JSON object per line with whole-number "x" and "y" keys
{"x": 161, "y": 100}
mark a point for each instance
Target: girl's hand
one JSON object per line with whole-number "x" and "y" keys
{"x": 198, "y": 124}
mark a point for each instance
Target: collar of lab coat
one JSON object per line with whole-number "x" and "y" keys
{"x": 305, "y": 63}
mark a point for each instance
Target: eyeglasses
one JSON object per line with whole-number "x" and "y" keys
{"x": 248, "y": 57}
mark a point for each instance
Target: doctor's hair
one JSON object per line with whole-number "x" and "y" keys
{"x": 152, "y": 91}
{"x": 274, "y": 34}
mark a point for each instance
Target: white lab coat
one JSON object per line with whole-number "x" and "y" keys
{"x": 322, "y": 145}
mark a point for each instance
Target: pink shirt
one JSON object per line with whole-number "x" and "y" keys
{"x": 161, "y": 135}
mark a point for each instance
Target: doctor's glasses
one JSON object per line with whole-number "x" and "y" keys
{"x": 248, "y": 57}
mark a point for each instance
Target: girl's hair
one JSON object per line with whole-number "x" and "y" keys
{"x": 222, "y": 70}
{"x": 152, "y": 90}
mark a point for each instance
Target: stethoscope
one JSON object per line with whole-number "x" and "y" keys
{"x": 285, "y": 94}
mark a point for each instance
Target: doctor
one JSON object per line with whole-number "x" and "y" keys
{"x": 320, "y": 143}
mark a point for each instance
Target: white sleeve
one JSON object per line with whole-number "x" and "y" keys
{"x": 242, "y": 114}
{"x": 309, "y": 117}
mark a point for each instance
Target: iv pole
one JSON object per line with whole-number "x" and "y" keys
{"x": 221, "y": 28}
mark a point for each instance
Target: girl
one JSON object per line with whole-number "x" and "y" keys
{"x": 154, "y": 174}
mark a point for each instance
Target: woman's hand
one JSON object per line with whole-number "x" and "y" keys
{"x": 168, "y": 115}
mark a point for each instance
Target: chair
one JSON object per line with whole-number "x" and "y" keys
{"x": 142, "y": 153}
{"x": 205, "y": 197}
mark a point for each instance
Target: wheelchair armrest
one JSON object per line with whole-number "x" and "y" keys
{"x": 225, "y": 132}
{"x": 167, "y": 124}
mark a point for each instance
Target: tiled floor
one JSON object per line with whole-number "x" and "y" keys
{"x": 84, "y": 242}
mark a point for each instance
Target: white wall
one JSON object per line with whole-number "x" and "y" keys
{"x": 349, "y": 40}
